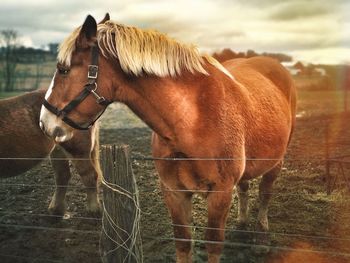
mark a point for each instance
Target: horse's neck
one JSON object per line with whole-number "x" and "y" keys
{"x": 165, "y": 105}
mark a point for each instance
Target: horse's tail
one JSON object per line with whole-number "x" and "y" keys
{"x": 293, "y": 106}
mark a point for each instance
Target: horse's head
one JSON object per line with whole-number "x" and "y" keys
{"x": 126, "y": 59}
{"x": 80, "y": 89}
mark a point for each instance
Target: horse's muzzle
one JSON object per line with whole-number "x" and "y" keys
{"x": 57, "y": 133}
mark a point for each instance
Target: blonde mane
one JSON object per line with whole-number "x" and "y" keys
{"x": 142, "y": 51}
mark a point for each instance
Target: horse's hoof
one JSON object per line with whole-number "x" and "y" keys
{"x": 56, "y": 214}
{"x": 260, "y": 250}
{"x": 262, "y": 226}
{"x": 262, "y": 241}
{"x": 242, "y": 225}
{"x": 57, "y": 210}
{"x": 262, "y": 244}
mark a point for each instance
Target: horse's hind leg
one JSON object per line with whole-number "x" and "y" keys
{"x": 242, "y": 192}
{"x": 62, "y": 175}
{"x": 265, "y": 194}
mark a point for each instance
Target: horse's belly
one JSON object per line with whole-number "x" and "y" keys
{"x": 257, "y": 168}
{"x": 22, "y": 151}
{"x": 10, "y": 168}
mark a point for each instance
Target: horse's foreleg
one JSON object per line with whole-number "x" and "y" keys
{"x": 180, "y": 207}
{"x": 89, "y": 174}
{"x": 87, "y": 147}
{"x": 62, "y": 175}
{"x": 219, "y": 204}
{"x": 265, "y": 193}
{"x": 242, "y": 192}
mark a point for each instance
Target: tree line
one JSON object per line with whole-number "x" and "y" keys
{"x": 227, "y": 54}
{"x": 13, "y": 54}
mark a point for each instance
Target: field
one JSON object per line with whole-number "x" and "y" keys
{"x": 31, "y": 75}
{"x": 303, "y": 218}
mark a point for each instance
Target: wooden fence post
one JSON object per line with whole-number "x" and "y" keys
{"x": 120, "y": 236}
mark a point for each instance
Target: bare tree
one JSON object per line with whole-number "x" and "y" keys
{"x": 9, "y": 42}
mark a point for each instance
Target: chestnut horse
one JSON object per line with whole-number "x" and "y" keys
{"x": 239, "y": 125}
{"x": 25, "y": 145}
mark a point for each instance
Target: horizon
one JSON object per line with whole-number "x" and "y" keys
{"x": 315, "y": 32}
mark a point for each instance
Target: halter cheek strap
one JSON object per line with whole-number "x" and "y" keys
{"x": 89, "y": 88}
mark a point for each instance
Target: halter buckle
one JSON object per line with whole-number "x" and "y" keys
{"x": 93, "y": 72}
{"x": 99, "y": 99}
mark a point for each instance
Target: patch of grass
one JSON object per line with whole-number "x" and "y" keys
{"x": 320, "y": 101}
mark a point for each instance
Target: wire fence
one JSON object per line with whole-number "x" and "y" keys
{"x": 71, "y": 217}
{"x": 326, "y": 238}
{"x": 199, "y": 241}
{"x": 153, "y": 190}
{"x": 149, "y": 158}
{"x": 138, "y": 158}
{"x": 225, "y": 243}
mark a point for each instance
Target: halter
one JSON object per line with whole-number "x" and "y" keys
{"x": 89, "y": 88}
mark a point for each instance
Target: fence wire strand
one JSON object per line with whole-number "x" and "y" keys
{"x": 150, "y": 158}
{"x": 48, "y": 228}
{"x": 109, "y": 185}
{"x": 64, "y": 217}
{"x": 264, "y": 233}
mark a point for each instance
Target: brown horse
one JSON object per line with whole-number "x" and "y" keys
{"x": 240, "y": 124}
{"x": 22, "y": 141}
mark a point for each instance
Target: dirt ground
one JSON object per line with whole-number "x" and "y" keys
{"x": 303, "y": 217}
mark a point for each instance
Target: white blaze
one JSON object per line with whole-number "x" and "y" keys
{"x": 50, "y": 121}
{"x": 49, "y": 91}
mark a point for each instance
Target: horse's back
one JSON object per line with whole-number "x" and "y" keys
{"x": 258, "y": 73}
{"x": 267, "y": 108}
{"x": 20, "y": 134}
{"x": 268, "y": 67}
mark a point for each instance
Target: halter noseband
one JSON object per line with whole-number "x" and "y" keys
{"x": 89, "y": 88}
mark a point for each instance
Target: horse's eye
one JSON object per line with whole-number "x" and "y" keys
{"x": 63, "y": 71}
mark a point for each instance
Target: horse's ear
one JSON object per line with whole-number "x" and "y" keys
{"x": 106, "y": 18}
{"x": 87, "y": 35}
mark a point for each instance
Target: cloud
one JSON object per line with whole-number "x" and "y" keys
{"x": 300, "y": 10}
{"x": 292, "y": 26}
{"x": 334, "y": 55}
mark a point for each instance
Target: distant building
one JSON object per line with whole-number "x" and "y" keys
{"x": 320, "y": 71}
{"x": 292, "y": 68}
{"x": 300, "y": 69}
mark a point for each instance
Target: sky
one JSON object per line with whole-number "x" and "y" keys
{"x": 316, "y": 31}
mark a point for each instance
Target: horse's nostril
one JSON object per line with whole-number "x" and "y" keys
{"x": 58, "y": 132}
